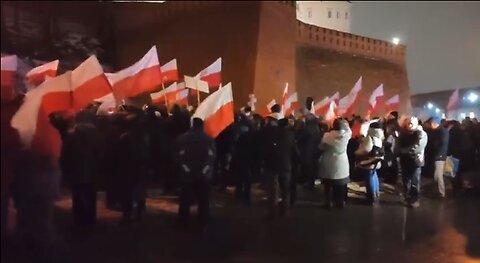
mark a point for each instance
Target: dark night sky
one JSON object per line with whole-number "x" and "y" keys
{"x": 442, "y": 38}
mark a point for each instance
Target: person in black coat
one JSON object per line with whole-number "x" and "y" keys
{"x": 132, "y": 162}
{"x": 81, "y": 155}
{"x": 242, "y": 160}
{"x": 194, "y": 157}
{"x": 308, "y": 141}
{"x": 278, "y": 150}
{"x": 438, "y": 137}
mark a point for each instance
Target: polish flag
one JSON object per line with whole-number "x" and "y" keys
{"x": 291, "y": 105}
{"x": 212, "y": 74}
{"x": 335, "y": 97}
{"x": 453, "y": 101}
{"x": 143, "y": 76}
{"x": 284, "y": 97}
{"x": 345, "y": 104}
{"x": 9, "y": 67}
{"x": 170, "y": 94}
{"x": 321, "y": 107}
{"x": 393, "y": 103}
{"x": 37, "y": 75}
{"x": 88, "y": 83}
{"x": 169, "y": 71}
{"x": 216, "y": 111}
{"x": 375, "y": 100}
{"x": 331, "y": 115}
{"x": 32, "y": 119}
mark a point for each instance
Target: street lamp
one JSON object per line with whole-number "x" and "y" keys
{"x": 472, "y": 97}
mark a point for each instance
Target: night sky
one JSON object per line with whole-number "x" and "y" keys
{"x": 442, "y": 38}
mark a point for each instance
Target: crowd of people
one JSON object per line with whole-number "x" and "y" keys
{"x": 125, "y": 152}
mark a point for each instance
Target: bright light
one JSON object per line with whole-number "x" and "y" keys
{"x": 429, "y": 106}
{"x": 396, "y": 40}
{"x": 437, "y": 110}
{"x": 444, "y": 116}
{"x": 463, "y": 115}
{"x": 472, "y": 97}
{"x": 472, "y": 114}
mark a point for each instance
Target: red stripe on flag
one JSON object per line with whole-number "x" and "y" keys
{"x": 94, "y": 88}
{"x": 144, "y": 81}
{"x": 220, "y": 120}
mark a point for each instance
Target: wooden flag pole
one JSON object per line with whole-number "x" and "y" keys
{"x": 198, "y": 98}
{"x": 165, "y": 95}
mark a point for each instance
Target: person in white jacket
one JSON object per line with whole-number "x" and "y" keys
{"x": 334, "y": 166}
{"x": 369, "y": 156}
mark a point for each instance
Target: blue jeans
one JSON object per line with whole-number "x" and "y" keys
{"x": 372, "y": 183}
{"x": 411, "y": 183}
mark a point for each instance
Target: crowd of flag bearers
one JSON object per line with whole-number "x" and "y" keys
{"x": 79, "y": 123}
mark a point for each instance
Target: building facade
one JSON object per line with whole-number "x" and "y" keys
{"x": 334, "y": 15}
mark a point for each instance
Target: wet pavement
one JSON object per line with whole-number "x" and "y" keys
{"x": 440, "y": 231}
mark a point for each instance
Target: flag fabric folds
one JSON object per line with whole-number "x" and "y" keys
{"x": 169, "y": 71}
{"x": 143, "y": 76}
{"x": 393, "y": 104}
{"x": 37, "y": 75}
{"x": 346, "y": 104}
{"x": 216, "y": 111}
{"x": 88, "y": 83}
{"x": 32, "y": 119}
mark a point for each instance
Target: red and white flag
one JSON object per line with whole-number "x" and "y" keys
{"x": 212, "y": 74}
{"x": 393, "y": 103}
{"x": 453, "y": 101}
{"x": 9, "y": 67}
{"x": 375, "y": 100}
{"x": 291, "y": 104}
{"x": 88, "y": 83}
{"x": 331, "y": 113}
{"x": 321, "y": 107}
{"x": 335, "y": 97}
{"x": 216, "y": 111}
{"x": 37, "y": 75}
{"x": 169, "y": 71}
{"x": 170, "y": 94}
{"x": 346, "y": 104}
{"x": 143, "y": 76}
{"x": 32, "y": 119}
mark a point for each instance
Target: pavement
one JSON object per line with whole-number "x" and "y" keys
{"x": 440, "y": 231}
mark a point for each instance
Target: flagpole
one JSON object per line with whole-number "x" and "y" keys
{"x": 164, "y": 95}
{"x": 198, "y": 98}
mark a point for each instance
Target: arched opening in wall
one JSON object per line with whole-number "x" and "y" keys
{"x": 338, "y": 42}
{"x": 344, "y": 42}
{"x": 324, "y": 39}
